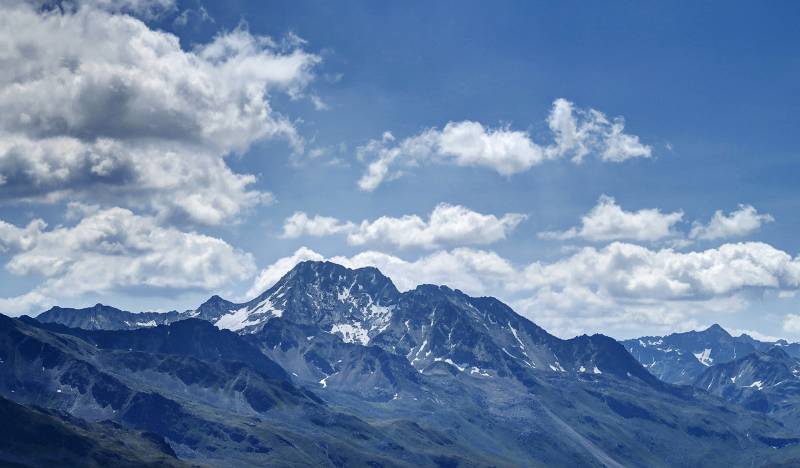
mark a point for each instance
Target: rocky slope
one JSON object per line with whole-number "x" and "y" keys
{"x": 33, "y": 437}
{"x": 767, "y": 382}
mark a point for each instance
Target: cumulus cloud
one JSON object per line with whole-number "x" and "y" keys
{"x": 19, "y": 238}
{"x": 607, "y": 221}
{"x": 98, "y": 105}
{"x": 576, "y": 133}
{"x": 631, "y": 271}
{"x": 620, "y": 289}
{"x": 114, "y": 250}
{"x": 31, "y": 301}
{"x": 791, "y": 323}
{"x": 446, "y": 225}
{"x": 579, "y": 132}
{"x": 742, "y": 222}
{"x": 300, "y": 224}
{"x": 625, "y": 288}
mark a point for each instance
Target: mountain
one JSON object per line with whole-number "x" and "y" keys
{"x": 191, "y": 338}
{"x": 362, "y": 306}
{"x": 36, "y": 437}
{"x": 207, "y": 404}
{"x": 371, "y": 376}
{"x": 103, "y": 317}
{"x": 767, "y": 382}
{"x": 680, "y": 358}
{"x": 434, "y": 327}
{"x": 355, "y": 304}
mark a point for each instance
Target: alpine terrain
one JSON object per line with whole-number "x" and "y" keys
{"x": 335, "y": 367}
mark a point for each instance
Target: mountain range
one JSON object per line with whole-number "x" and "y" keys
{"x": 680, "y": 358}
{"x": 335, "y": 367}
{"x": 761, "y": 376}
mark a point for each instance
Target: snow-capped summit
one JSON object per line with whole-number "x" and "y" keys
{"x": 354, "y": 304}
{"x": 435, "y": 328}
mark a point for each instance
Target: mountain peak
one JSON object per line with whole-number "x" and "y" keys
{"x": 97, "y": 308}
{"x": 716, "y": 329}
{"x": 326, "y": 268}
{"x": 325, "y": 274}
{"x": 315, "y": 292}
{"x": 214, "y": 300}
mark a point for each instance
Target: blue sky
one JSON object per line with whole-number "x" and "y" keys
{"x": 165, "y": 166}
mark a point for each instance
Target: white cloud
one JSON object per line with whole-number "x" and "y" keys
{"x": 634, "y": 272}
{"x": 17, "y": 238}
{"x": 580, "y": 132}
{"x": 114, "y": 250}
{"x": 99, "y": 106}
{"x": 621, "y": 289}
{"x": 744, "y": 221}
{"x": 446, "y": 225}
{"x": 791, "y": 323}
{"x": 32, "y": 301}
{"x": 300, "y": 224}
{"x": 461, "y": 143}
{"x": 608, "y": 221}
{"x": 626, "y": 287}
{"x": 575, "y": 132}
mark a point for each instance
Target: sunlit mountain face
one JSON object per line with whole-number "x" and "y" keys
{"x": 371, "y": 234}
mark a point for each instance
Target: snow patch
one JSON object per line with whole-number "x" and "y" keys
{"x": 514, "y": 332}
{"x": 235, "y": 320}
{"x": 449, "y": 361}
{"x": 379, "y": 316}
{"x": 150, "y": 323}
{"x": 351, "y": 333}
{"x": 479, "y": 371}
{"x": 244, "y": 317}
{"x": 704, "y": 357}
{"x": 419, "y": 350}
{"x": 269, "y": 307}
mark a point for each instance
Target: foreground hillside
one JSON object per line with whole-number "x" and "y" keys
{"x": 36, "y": 437}
{"x": 336, "y": 367}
